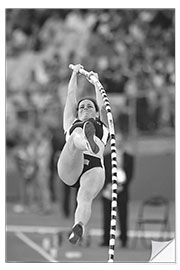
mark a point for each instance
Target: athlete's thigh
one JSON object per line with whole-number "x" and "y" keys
{"x": 70, "y": 164}
{"x": 92, "y": 181}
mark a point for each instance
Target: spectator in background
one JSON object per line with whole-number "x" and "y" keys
{"x": 25, "y": 156}
{"x": 125, "y": 161}
{"x": 136, "y": 41}
{"x": 43, "y": 160}
{"x": 142, "y": 113}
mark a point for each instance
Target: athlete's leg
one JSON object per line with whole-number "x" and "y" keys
{"x": 90, "y": 184}
{"x": 71, "y": 160}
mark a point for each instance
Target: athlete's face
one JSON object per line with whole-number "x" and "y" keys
{"x": 86, "y": 110}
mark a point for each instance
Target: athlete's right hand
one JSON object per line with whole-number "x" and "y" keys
{"x": 77, "y": 68}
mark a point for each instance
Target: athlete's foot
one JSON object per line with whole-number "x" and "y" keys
{"x": 89, "y": 132}
{"x": 76, "y": 233}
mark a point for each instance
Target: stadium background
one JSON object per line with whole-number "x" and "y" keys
{"x": 134, "y": 53}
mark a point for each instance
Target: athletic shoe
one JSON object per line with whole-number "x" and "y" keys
{"x": 89, "y": 132}
{"x": 76, "y": 234}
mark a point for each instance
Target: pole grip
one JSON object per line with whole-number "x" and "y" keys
{"x": 81, "y": 71}
{"x": 92, "y": 79}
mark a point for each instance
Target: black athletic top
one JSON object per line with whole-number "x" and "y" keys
{"x": 102, "y": 131}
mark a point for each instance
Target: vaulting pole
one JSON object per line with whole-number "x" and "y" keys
{"x": 113, "y": 159}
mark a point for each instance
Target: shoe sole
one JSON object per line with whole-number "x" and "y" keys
{"x": 76, "y": 234}
{"x": 89, "y": 132}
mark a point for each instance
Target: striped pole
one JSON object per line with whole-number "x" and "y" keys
{"x": 113, "y": 161}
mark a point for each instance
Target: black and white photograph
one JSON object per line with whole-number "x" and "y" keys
{"x": 90, "y": 135}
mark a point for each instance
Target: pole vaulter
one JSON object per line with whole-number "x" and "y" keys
{"x": 92, "y": 78}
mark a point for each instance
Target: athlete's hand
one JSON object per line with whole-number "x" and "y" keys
{"x": 77, "y": 68}
{"x": 89, "y": 77}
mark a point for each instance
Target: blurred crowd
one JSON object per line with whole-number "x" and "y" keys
{"x": 133, "y": 51}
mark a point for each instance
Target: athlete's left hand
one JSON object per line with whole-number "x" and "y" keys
{"x": 90, "y": 79}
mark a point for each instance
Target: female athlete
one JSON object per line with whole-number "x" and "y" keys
{"x": 80, "y": 163}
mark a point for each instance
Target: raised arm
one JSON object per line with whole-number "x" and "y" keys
{"x": 71, "y": 100}
{"x": 99, "y": 100}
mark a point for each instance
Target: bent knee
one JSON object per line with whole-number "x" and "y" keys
{"x": 61, "y": 171}
{"x": 69, "y": 177}
{"x": 66, "y": 178}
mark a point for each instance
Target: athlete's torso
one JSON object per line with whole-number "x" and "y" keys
{"x": 101, "y": 133}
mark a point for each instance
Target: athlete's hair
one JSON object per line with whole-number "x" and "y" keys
{"x": 91, "y": 99}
